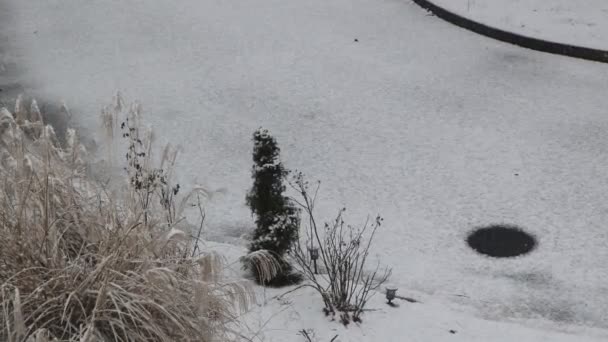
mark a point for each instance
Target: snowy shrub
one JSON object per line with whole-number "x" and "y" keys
{"x": 345, "y": 283}
{"x": 277, "y": 219}
{"x": 82, "y": 260}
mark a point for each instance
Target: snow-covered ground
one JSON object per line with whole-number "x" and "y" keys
{"x": 9, "y": 85}
{"x": 581, "y": 23}
{"x": 278, "y": 317}
{"x": 438, "y": 129}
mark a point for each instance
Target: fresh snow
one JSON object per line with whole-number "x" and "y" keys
{"x": 279, "y": 317}
{"x": 581, "y": 23}
{"x": 438, "y": 129}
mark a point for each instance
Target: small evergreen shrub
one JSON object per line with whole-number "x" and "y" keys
{"x": 276, "y": 218}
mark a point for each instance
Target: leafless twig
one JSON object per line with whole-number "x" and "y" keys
{"x": 346, "y": 285}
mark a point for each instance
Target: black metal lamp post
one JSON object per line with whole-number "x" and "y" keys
{"x": 391, "y": 293}
{"x": 314, "y": 255}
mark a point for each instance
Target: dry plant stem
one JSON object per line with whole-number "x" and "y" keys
{"x": 200, "y": 228}
{"x": 306, "y": 335}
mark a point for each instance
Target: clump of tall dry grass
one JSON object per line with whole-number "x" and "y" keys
{"x": 85, "y": 261}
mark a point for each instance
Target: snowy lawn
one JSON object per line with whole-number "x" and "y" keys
{"x": 581, "y": 23}
{"x": 280, "y": 317}
{"x": 438, "y": 129}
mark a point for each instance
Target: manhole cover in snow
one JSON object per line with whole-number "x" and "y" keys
{"x": 501, "y": 241}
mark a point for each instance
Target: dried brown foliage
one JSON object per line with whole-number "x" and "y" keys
{"x": 82, "y": 261}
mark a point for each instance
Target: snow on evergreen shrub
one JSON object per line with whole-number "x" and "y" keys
{"x": 277, "y": 219}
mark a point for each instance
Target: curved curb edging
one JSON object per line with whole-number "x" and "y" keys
{"x": 514, "y": 38}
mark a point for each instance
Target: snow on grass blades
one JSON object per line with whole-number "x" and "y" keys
{"x": 82, "y": 260}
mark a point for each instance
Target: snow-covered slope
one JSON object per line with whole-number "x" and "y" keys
{"x": 438, "y": 129}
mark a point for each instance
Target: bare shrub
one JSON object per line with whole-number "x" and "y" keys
{"x": 81, "y": 261}
{"x": 345, "y": 284}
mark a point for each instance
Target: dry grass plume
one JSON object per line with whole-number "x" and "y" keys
{"x": 86, "y": 261}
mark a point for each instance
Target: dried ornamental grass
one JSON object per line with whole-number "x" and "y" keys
{"x": 81, "y": 262}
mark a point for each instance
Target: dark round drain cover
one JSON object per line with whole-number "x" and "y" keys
{"x": 501, "y": 241}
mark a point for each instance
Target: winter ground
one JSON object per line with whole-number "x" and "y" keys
{"x": 9, "y": 85}
{"x": 582, "y": 23}
{"x": 438, "y": 129}
{"x": 279, "y": 318}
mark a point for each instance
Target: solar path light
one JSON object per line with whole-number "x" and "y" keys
{"x": 391, "y": 293}
{"x": 314, "y": 255}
